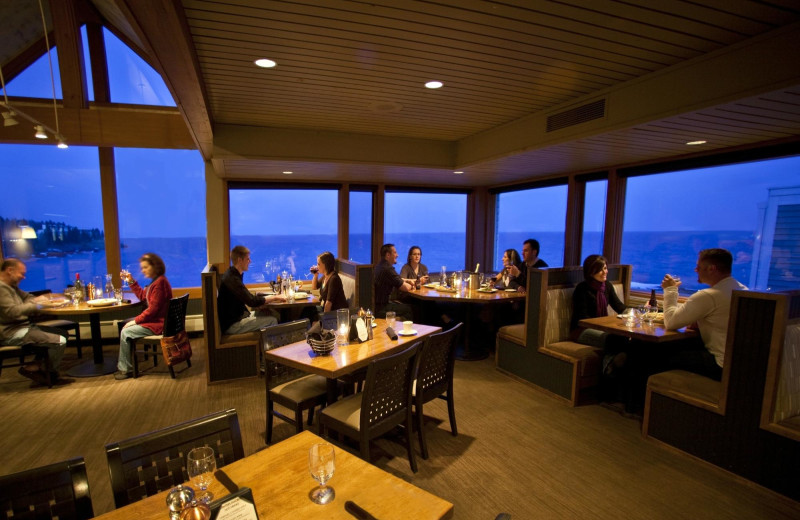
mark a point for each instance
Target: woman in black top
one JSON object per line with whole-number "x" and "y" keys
{"x": 331, "y": 290}
{"x": 503, "y": 280}
{"x": 591, "y": 299}
{"x": 414, "y": 270}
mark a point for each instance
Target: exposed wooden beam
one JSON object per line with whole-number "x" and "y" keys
{"x": 99, "y": 63}
{"x": 118, "y": 125}
{"x": 69, "y": 45}
{"x": 108, "y": 189}
{"x": 162, "y": 27}
{"x": 576, "y": 195}
{"x": 615, "y": 215}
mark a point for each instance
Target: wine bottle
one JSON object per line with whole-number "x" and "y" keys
{"x": 653, "y": 302}
{"x": 78, "y": 286}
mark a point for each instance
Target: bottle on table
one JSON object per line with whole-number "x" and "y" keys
{"x": 109, "y": 289}
{"x": 78, "y": 287}
{"x": 653, "y": 302}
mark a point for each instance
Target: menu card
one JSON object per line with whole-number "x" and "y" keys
{"x": 236, "y": 506}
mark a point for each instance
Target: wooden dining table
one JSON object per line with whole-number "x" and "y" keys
{"x": 655, "y": 333}
{"x": 280, "y": 482}
{"x": 346, "y": 359}
{"x": 472, "y": 298}
{"x": 97, "y": 366}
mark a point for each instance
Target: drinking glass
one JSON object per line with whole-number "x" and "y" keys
{"x": 118, "y": 296}
{"x": 391, "y": 316}
{"x": 201, "y": 464}
{"x": 321, "y": 464}
{"x": 125, "y": 272}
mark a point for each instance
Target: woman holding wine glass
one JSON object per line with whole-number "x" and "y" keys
{"x": 503, "y": 280}
{"x": 150, "y": 321}
{"x": 415, "y": 271}
{"x": 326, "y": 279}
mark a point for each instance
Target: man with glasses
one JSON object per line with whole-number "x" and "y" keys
{"x": 234, "y": 299}
{"x": 16, "y": 328}
{"x": 708, "y": 309}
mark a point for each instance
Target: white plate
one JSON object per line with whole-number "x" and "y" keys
{"x": 301, "y": 295}
{"x": 101, "y": 302}
{"x": 431, "y": 285}
{"x": 412, "y": 332}
{"x": 510, "y": 290}
{"x": 374, "y": 324}
{"x": 265, "y": 293}
{"x": 487, "y": 290}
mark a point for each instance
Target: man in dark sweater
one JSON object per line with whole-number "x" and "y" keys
{"x": 386, "y": 280}
{"x": 234, "y": 299}
{"x": 530, "y": 258}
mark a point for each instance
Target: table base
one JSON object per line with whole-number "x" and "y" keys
{"x": 90, "y": 369}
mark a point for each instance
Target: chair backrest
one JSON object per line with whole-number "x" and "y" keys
{"x": 437, "y": 360}
{"x": 175, "y": 321}
{"x": 58, "y": 490}
{"x": 147, "y": 464}
{"x": 278, "y": 336}
{"x": 357, "y": 283}
{"x": 387, "y": 391}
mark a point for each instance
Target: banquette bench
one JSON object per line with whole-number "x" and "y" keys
{"x": 539, "y": 350}
{"x": 748, "y": 422}
{"x": 357, "y": 283}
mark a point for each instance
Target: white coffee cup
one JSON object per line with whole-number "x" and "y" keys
{"x": 407, "y": 326}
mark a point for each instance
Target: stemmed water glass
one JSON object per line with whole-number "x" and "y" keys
{"x": 201, "y": 464}
{"x": 321, "y": 464}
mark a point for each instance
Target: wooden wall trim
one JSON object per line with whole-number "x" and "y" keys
{"x": 98, "y": 62}
{"x": 69, "y": 46}
{"x": 573, "y": 234}
{"x": 108, "y": 190}
{"x": 378, "y": 216}
{"x": 615, "y": 215}
{"x": 343, "y": 228}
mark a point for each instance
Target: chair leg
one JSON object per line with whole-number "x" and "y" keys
{"x": 298, "y": 420}
{"x": 451, "y": 411}
{"x": 132, "y": 346}
{"x": 48, "y": 368}
{"x": 270, "y": 406}
{"x": 171, "y": 371}
{"x": 155, "y": 356}
{"x": 364, "y": 447}
{"x": 311, "y": 415}
{"x": 420, "y": 422}
{"x": 410, "y": 442}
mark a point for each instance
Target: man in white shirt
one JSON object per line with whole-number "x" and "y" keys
{"x": 708, "y": 308}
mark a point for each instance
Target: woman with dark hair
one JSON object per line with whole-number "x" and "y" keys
{"x": 150, "y": 321}
{"x": 331, "y": 290}
{"x": 591, "y": 299}
{"x": 414, "y": 271}
{"x": 504, "y": 280}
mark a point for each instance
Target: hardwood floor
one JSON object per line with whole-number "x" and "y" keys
{"x": 518, "y": 451}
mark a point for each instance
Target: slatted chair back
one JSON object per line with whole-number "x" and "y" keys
{"x": 59, "y": 490}
{"x": 437, "y": 360}
{"x": 175, "y": 320}
{"x": 147, "y": 464}
{"x": 278, "y": 336}
{"x": 387, "y": 392}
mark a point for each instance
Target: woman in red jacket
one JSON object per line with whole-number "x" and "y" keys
{"x": 155, "y": 297}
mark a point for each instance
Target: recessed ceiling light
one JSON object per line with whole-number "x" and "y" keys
{"x": 288, "y": 173}
{"x": 434, "y": 84}
{"x": 267, "y": 64}
{"x": 458, "y": 173}
{"x": 695, "y": 143}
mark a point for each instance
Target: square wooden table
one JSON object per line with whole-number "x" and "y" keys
{"x": 655, "y": 333}
{"x": 281, "y": 482}
{"x": 345, "y": 359}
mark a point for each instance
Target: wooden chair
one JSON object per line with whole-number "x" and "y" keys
{"x": 59, "y": 490}
{"x": 174, "y": 323}
{"x": 437, "y": 360}
{"x": 384, "y": 404}
{"x": 69, "y": 326}
{"x": 148, "y": 464}
{"x": 20, "y": 352}
{"x": 288, "y": 387}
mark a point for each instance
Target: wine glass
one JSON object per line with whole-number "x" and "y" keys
{"x": 201, "y": 464}
{"x": 118, "y": 296}
{"x": 321, "y": 464}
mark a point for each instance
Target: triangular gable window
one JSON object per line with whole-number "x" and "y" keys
{"x": 34, "y": 81}
{"x": 131, "y": 79}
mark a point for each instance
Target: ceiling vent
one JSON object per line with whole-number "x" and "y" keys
{"x": 577, "y": 115}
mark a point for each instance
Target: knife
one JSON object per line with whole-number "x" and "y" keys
{"x": 226, "y": 481}
{"x": 357, "y": 511}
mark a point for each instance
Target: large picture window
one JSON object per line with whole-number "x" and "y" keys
{"x": 161, "y": 195}
{"x": 538, "y": 213}
{"x": 284, "y": 229}
{"x": 745, "y": 208}
{"x": 54, "y": 194}
{"x": 436, "y": 222}
{"x": 361, "y": 227}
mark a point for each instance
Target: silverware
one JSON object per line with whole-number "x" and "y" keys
{"x": 226, "y": 481}
{"x": 357, "y": 511}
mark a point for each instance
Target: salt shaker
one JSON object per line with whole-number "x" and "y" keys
{"x": 178, "y": 498}
{"x": 368, "y": 318}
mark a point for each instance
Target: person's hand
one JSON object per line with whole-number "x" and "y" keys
{"x": 669, "y": 281}
{"x": 410, "y": 284}
{"x": 424, "y": 279}
{"x": 42, "y": 299}
{"x": 513, "y": 270}
{"x": 274, "y": 298}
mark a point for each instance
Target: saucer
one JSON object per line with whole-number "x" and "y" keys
{"x": 412, "y": 332}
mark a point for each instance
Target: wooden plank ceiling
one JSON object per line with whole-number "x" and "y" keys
{"x": 356, "y": 68}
